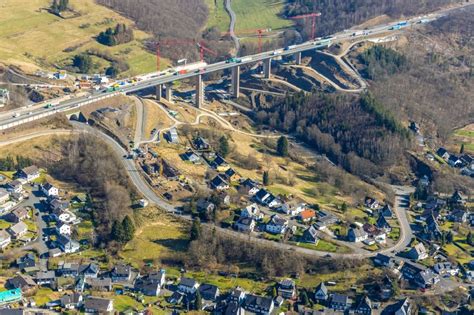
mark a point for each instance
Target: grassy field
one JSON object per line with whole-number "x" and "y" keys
{"x": 463, "y": 136}
{"x": 160, "y": 239}
{"x": 31, "y": 37}
{"x": 251, "y": 15}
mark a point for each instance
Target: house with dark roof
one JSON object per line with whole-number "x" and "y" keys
{"x": 45, "y": 277}
{"x": 458, "y": 198}
{"x": 201, "y": 144}
{"x": 205, "y": 205}
{"x": 146, "y": 287}
{"x": 29, "y": 173}
{"x": 98, "y": 284}
{"x": 49, "y": 190}
{"x": 188, "y": 285}
{"x": 15, "y": 186}
{"x": 443, "y": 153}
{"x": 219, "y": 183}
{"x": 276, "y": 225}
{"x": 209, "y": 292}
{"x": 321, "y": 293}
{"x": 258, "y": 304}
{"x": 17, "y": 215}
{"x": 409, "y": 271}
{"x": 426, "y": 279}
{"x": 22, "y": 282}
{"x": 383, "y": 224}
{"x": 231, "y": 175}
{"x": 446, "y": 268}
{"x": 219, "y": 164}
{"x": 245, "y": 224}
{"x": 340, "y": 302}
{"x": 66, "y": 244}
{"x": 417, "y": 252}
{"x": 357, "y": 235}
{"x": 237, "y": 295}
{"x": 310, "y": 235}
{"x": 454, "y": 161}
{"x": 364, "y": 306}
{"x": 458, "y": 215}
{"x": 121, "y": 273}
{"x": 97, "y": 305}
{"x": 249, "y": 186}
{"x": 72, "y": 301}
{"x": 402, "y": 307}
{"x": 382, "y": 260}
{"x": 90, "y": 270}
{"x": 26, "y": 261}
{"x": 287, "y": 289}
{"x": 262, "y": 195}
{"x": 386, "y": 211}
{"x": 252, "y": 211}
{"x": 371, "y": 203}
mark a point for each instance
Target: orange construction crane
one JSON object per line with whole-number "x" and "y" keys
{"x": 313, "y": 17}
{"x": 258, "y": 32}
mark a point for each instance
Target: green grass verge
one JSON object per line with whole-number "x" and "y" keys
{"x": 260, "y": 14}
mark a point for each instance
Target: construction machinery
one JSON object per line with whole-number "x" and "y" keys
{"x": 313, "y": 17}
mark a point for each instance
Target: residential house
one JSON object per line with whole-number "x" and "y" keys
{"x": 382, "y": 260}
{"x": 426, "y": 279}
{"x": 454, "y": 161}
{"x": 15, "y": 186}
{"x": 201, "y": 144}
{"x": 252, "y": 211}
{"x": 432, "y": 230}
{"x": 219, "y": 164}
{"x": 276, "y": 225}
{"x": 237, "y": 295}
{"x": 5, "y": 239}
{"x": 443, "y": 153}
{"x": 231, "y": 175}
{"x": 204, "y": 205}
{"x": 321, "y": 293}
{"x": 249, "y": 186}
{"x": 90, "y": 270}
{"x": 63, "y": 229}
{"x": 98, "y": 305}
{"x": 258, "y": 304}
{"x": 402, "y": 307}
{"x": 17, "y": 215}
{"x": 121, "y": 273}
{"x": 262, "y": 195}
{"x": 386, "y": 211}
{"x": 364, "y": 306}
{"x": 245, "y": 224}
{"x": 29, "y": 173}
{"x": 287, "y": 289}
{"x": 45, "y": 277}
{"x": 357, "y": 235}
{"x": 383, "y": 224}
{"x": 66, "y": 269}
{"x": 49, "y": 190}
{"x": 470, "y": 276}
{"x": 23, "y": 282}
{"x": 98, "y": 284}
{"x": 310, "y": 235}
{"x": 26, "y": 261}
{"x": 146, "y": 287}
{"x": 18, "y": 230}
{"x": 458, "y": 198}
{"x": 272, "y": 201}
{"x": 209, "y": 292}
{"x": 188, "y": 285}
{"x": 292, "y": 209}
{"x": 417, "y": 252}
{"x": 458, "y": 215}
{"x": 371, "y": 203}
{"x": 409, "y": 271}
{"x": 4, "y": 195}
{"x": 58, "y": 206}
{"x": 307, "y": 215}
{"x": 224, "y": 198}
{"x": 17, "y": 197}
{"x": 10, "y": 296}
{"x": 446, "y": 269}
{"x": 191, "y": 157}
{"x": 66, "y": 244}
{"x": 340, "y": 302}
{"x": 175, "y": 298}
{"x": 173, "y": 135}
{"x": 72, "y": 301}
{"x": 157, "y": 277}
{"x": 219, "y": 183}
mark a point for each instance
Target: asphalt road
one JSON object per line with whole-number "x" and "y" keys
{"x": 233, "y": 19}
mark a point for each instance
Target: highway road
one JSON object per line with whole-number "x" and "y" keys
{"x": 8, "y": 121}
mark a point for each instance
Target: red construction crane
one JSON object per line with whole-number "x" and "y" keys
{"x": 174, "y": 42}
{"x": 258, "y": 32}
{"x": 313, "y": 23}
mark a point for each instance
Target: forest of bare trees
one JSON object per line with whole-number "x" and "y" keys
{"x": 341, "y": 14}
{"x": 88, "y": 162}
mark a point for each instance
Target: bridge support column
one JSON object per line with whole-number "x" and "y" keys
{"x": 159, "y": 92}
{"x": 267, "y": 68}
{"x": 236, "y": 81}
{"x": 298, "y": 58}
{"x": 199, "y": 91}
{"x": 169, "y": 93}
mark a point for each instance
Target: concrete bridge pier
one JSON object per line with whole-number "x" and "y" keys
{"x": 298, "y": 58}
{"x": 267, "y": 68}
{"x": 159, "y": 92}
{"x": 236, "y": 81}
{"x": 199, "y": 91}
{"x": 169, "y": 93}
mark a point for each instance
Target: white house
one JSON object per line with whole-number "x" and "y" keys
{"x": 49, "y": 190}
{"x": 67, "y": 245}
{"x": 292, "y": 209}
{"x": 446, "y": 268}
{"x": 5, "y": 239}
{"x": 15, "y": 186}
{"x": 63, "y": 229}
{"x": 4, "y": 195}
{"x": 252, "y": 211}
{"x": 357, "y": 235}
{"x": 188, "y": 285}
{"x": 29, "y": 173}
{"x": 276, "y": 225}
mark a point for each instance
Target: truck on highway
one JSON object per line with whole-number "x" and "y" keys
{"x": 403, "y": 23}
{"x": 246, "y": 59}
{"x": 290, "y": 47}
{"x": 233, "y": 59}
{"x": 395, "y": 27}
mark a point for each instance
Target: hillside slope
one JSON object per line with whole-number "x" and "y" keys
{"x": 30, "y": 37}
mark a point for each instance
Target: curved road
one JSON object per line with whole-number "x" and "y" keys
{"x": 233, "y": 20}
